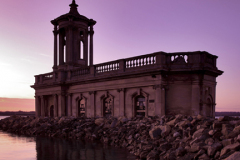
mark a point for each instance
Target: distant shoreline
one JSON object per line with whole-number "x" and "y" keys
{"x": 19, "y": 113}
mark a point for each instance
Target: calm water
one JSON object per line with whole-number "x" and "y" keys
{"x": 14, "y": 147}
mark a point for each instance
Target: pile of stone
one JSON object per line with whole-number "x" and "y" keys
{"x": 166, "y": 137}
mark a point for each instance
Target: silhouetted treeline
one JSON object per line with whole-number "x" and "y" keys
{"x": 19, "y": 113}
{"x": 227, "y": 113}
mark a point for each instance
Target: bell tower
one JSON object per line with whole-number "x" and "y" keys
{"x": 73, "y": 40}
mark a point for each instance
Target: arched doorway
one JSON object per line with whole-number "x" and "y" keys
{"x": 52, "y": 111}
{"x": 81, "y": 108}
{"x": 140, "y": 105}
{"x": 107, "y": 106}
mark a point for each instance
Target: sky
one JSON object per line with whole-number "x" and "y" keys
{"x": 125, "y": 28}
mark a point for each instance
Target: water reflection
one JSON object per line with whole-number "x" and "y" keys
{"x": 62, "y": 149}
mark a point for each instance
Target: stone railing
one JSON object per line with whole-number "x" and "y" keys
{"x": 106, "y": 67}
{"x": 145, "y": 63}
{"x": 81, "y": 71}
{"x": 139, "y": 61}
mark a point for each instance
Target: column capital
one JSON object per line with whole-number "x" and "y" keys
{"x": 91, "y": 92}
{"x": 121, "y": 89}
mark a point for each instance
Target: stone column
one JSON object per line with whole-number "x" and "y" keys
{"x": 42, "y": 107}
{"x": 70, "y": 104}
{"x": 55, "y": 99}
{"x": 163, "y": 100}
{"x": 91, "y": 45}
{"x": 121, "y": 102}
{"x": 61, "y": 104}
{"x": 158, "y": 100}
{"x": 55, "y": 32}
{"x": 61, "y": 48}
{"x": 91, "y": 109}
{"x": 37, "y": 107}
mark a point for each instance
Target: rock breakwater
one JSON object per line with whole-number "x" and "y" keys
{"x": 167, "y": 137}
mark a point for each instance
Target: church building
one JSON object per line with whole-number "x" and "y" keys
{"x": 148, "y": 85}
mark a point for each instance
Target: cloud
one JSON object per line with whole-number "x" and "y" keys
{"x": 4, "y": 64}
{"x": 27, "y": 60}
{"x": 46, "y": 55}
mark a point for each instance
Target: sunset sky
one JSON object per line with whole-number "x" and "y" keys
{"x": 125, "y": 28}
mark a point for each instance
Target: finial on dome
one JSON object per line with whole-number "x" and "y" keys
{"x": 73, "y": 8}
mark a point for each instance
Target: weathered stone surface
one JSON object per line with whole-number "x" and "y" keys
{"x": 234, "y": 156}
{"x": 214, "y": 148}
{"x": 155, "y": 132}
{"x": 144, "y": 137}
{"x": 227, "y": 148}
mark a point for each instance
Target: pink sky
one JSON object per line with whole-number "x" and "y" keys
{"x": 124, "y": 28}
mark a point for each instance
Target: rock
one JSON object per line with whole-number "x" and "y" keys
{"x": 114, "y": 123}
{"x": 153, "y": 155}
{"x": 226, "y": 129}
{"x": 224, "y": 118}
{"x": 204, "y": 157}
{"x": 180, "y": 151}
{"x": 227, "y": 148}
{"x": 165, "y": 130}
{"x": 226, "y": 142}
{"x": 234, "y": 156}
{"x": 99, "y": 121}
{"x": 214, "y": 148}
{"x": 212, "y": 132}
{"x": 176, "y": 134}
{"x": 198, "y": 133}
{"x": 155, "y": 132}
{"x": 209, "y": 141}
{"x": 199, "y": 153}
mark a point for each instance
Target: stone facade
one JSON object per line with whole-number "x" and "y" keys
{"x": 154, "y": 84}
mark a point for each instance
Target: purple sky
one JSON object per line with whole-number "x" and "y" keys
{"x": 125, "y": 28}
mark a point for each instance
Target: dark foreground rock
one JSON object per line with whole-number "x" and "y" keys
{"x": 167, "y": 137}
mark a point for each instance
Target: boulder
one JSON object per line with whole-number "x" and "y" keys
{"x": 155, "y": 132}
{"x": 99, "y": 121}
{"x": 227, "y": 148}
{"x": 214, "y": 148}
{"x": 234, "y": 156}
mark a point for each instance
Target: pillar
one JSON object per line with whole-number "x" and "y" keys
{"x": 37, "y": 107}
{"x": 61, "y": 104}
{"x": 121, "y": 101}
{"x": 42, "y": 107}
{"x": 55, "y": 47}
{"x": 158, "y": 100}
{"x": 55, "y": 99}
{"x": 70, "y": 104}
{"x": 61, "y": 48}
{"x": 91, "y": 109}
{"x": 91, "y": 45}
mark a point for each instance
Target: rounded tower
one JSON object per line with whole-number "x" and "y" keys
{"x": 72, "y": 47}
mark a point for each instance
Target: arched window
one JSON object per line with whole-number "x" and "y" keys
{"x": 81, "y": 108}
{"x": 81, "y": 50}
{"x": 107, "y": 106}
{"x": 140, "y": 105}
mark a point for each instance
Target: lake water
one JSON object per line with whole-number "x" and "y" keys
{"x": 43, "y": 148}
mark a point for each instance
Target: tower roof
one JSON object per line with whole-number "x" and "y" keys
{"x": 74, "y": 15}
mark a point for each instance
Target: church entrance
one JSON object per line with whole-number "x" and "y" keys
{"x": 81, "y": 108}
{"x": 52, "y": 111}
{"x": 107, "y": 106}
{"x": 140, "y": 105}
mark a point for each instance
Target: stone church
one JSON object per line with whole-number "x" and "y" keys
{"x": 153, "y": 84}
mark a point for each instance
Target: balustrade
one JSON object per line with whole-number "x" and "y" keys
{"x": 106, "y": 67}
{"x": 81, "y": 71}
{"x": 141, "y": 61}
